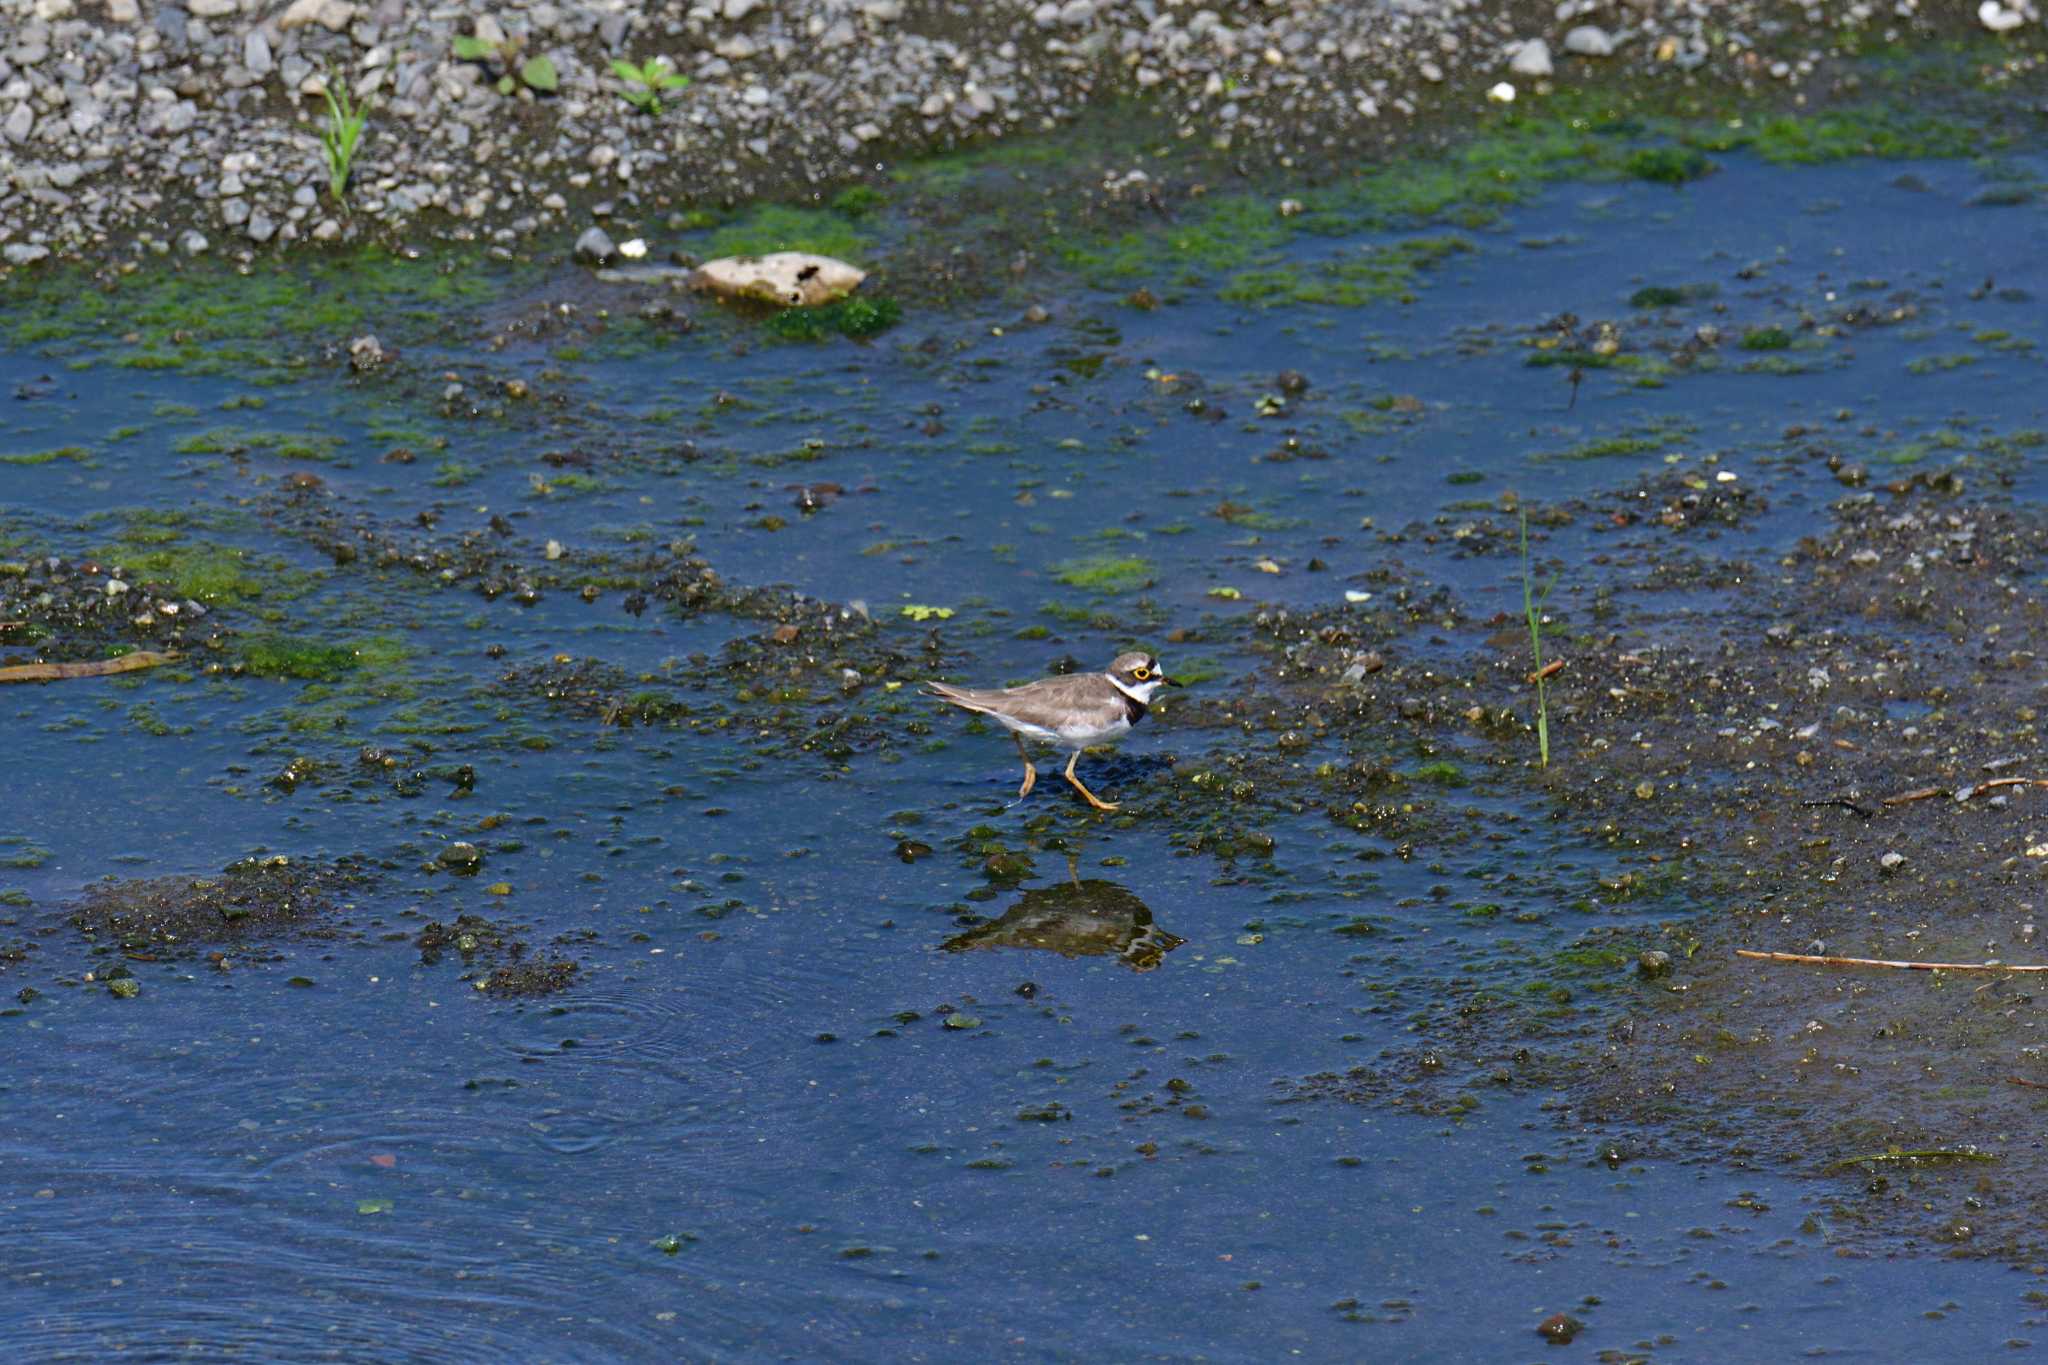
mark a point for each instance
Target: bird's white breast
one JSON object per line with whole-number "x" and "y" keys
{"x": 1080, "y": 736}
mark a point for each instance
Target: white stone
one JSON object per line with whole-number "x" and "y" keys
{"x": 212, "y": 9}
{"x": 332, "y": 15}
{"x": 1998, "y": 18}
{"x": 123, "y": 11}
{"x": 19, "y": 124}
{"x": 1589, "y": 40}
{"x": 740, "y": 9}
{"x": 1531, "y": 59}
{"x": 1502, "y": 93}
{"x": 786, "y": 278}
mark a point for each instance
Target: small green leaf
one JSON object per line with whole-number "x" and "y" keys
{"x": 1227, "y": 594}
{"x": 368, "y": 1206}
{"x": 919, "y": 612}
{"x": 625, "y": 70}
{"x": 471, "y": 49}
{"x": 505, "y": 86}
{"x": 539, "y": 73}
{"x": 674, "y": 81}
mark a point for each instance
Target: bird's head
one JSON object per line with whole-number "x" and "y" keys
{"x": 1139, "y": 675}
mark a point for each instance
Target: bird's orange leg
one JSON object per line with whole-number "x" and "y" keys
{"x": 1092, "y": 799}
{"x": 1030, "y": 773}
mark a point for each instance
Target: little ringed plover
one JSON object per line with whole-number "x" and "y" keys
{"x": 1070, "y": 713}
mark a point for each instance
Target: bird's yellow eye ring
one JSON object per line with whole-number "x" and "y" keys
{"x": 1141, "y": 673}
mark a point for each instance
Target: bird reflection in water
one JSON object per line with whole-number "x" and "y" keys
{"x": 1076, "y": 918}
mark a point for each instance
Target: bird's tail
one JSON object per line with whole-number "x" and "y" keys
{"x": 948, "y": 693}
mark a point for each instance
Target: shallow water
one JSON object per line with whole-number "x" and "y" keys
{"x": 384, "y": 1164}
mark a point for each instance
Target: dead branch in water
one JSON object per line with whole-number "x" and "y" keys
{"x": 1927, "y": 1154}
{"x": 1829, "y": 960}
{"x": 96, "y": 668}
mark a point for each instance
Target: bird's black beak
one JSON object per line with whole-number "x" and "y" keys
{"x": 1170, "y": 682}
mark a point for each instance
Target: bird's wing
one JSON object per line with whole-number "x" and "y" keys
{"x": 1048, "y": 704}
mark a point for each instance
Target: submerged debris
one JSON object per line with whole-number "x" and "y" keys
{"x": 494, "y": 957}
{"x": 255, "y": 898}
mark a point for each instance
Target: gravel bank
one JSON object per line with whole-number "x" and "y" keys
{"x": 129, "y": 126}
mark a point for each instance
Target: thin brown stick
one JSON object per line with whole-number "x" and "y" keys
{"x": 97, "y": 668}
{"x": 1551, "y": 669}
{"x": 1817, "y": 960}
{"x": 1965, "y": 791}
{"x": 10, "y": 625}
{"x": 2031, "y": 1085}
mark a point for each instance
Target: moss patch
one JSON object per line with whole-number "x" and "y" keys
{"x": 781, "y": 227}
{"x": 857, "y": 316}
{"x": 283, "y": 656}
{"x": 1105, "y": 573}
{"x": 34, "y": 457}
{"x": 1377, "y": 274}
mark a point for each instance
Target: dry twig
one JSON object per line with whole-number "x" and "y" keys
{"x": 1829, "y": 960}
{"x": 96, "y": 668}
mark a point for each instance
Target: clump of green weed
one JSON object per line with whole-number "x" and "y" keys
{"x": 284, "y": 656}
{"x": 341, "y": 135}
{"x": 848, "y": 317}
{"x": 1105, "y": 573}
{"x": 1532, "y": 608}
{"x": 857, "y": 201}
{"x": 646, "y": 83}
{"x": 1668, "y": 165}
{"x": 535, "y": 73}
{"x": 1766, "y": 339}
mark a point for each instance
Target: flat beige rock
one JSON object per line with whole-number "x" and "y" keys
{"x": 787, "y": 279}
